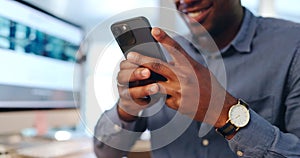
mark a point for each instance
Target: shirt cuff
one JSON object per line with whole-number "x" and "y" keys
{"x": 254, "y": 139}
{"x": 112, "y": 131}
{"x": 115, "y": 118}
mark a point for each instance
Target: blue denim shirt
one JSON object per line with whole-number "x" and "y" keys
{"x": 262, "y": 67}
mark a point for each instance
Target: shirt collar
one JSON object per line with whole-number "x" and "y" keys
{"x": 243, "y": 39}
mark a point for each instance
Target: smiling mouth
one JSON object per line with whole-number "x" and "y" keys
{"x": 198, "y": 15}
{"x": 194, "y": 14}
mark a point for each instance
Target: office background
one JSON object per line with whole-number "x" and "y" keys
{"x": 98, "y": 74}
{"x": 90, "y": 13}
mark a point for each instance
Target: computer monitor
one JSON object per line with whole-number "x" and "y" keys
{"x": 38, "y": 61}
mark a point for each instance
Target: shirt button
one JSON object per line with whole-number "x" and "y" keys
{"x": 117, "y": 128}
{"x": 239, "y": 153}
{"x": 205, "y": 142}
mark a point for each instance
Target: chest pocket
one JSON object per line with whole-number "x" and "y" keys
{"x": 263, "y": 106}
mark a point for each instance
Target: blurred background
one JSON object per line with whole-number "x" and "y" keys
{"x": 71, "y": 55}
{"x": 90, "y": 12}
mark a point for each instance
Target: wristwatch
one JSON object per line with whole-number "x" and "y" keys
{"x": 238, "y": 117}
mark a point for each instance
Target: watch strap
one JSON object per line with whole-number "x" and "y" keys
{"x": 242, "y": 102}
{"x": 227, "y": 129}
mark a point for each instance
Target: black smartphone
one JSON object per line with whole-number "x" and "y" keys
{"x": 134, "y": 34}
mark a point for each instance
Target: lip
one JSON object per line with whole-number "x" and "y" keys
{"x": 198, "y": 15}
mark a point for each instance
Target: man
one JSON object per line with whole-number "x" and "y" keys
{"x": 262, "y": 64}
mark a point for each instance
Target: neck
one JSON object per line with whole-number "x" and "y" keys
{"x": 225, "y": 37}
{"x": 228, "y": 32}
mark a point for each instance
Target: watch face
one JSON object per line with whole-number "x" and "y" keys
{"x": 239, "y": 115}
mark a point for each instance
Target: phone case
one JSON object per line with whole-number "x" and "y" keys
{"x": 135, "y": 35}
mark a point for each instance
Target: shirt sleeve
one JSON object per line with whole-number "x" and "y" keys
{"x": 261, "y": 139}
{"x": 114, "y": 137}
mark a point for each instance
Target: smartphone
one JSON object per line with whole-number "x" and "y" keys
{"x": 134, "y": 34}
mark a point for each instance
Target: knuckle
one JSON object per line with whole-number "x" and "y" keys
{"x": 136, "y": 58}
{"x": 161, "y": 36}
{"x": 175, "y": 104}
{"x": 176, "y": 47}
{"x": 148, "y": 90}
{"x": 157, "y": 66}
{"x": 123, "y": 64}
{"x": 120, "y": 78}
{"x": 176, "y": 93}
{"x": 122, "y": 94}
{"x": 184, "y": 79}
{"x": 125, "y": 94}
{"x": 136, "y": 72}
{"x": 170, "y": 103}
{"x": 119, "y": 75}
{"x": 122, "y": 103}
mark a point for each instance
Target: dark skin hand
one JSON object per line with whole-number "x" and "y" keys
{"x": 189, "y": 85}
{"x": 191, "y": 88}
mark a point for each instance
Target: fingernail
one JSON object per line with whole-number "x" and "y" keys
{"x": 153, "y": 89}
{"x": 130, "y": 55}
{"x": 156, "y": 32}
{"x": 145, "y": 72}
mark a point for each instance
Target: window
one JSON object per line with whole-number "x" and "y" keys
{"x": 252, "y": 5}
{"x": 288, "y": 9}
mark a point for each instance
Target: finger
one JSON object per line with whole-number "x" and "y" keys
{"x": 130, "y": 75}
{"x": 174, "y": 49}
{"x": 138, "y": 104}
{"x": 125, "y": 64}
{"x": 139, "y": 92}
{"x": 172, "y": 94}
{"x": 154, "y": 64}
{"x": 144, "y": 91}
{"x": 172, "y": 103}
{"x": 127, "y": 107}
{"x": 167, "y": 88}
{"x": 134, "y": 103}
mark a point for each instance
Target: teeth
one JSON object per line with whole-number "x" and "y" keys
{"x": 194, "y": 14}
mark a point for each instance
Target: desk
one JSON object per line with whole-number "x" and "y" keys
{"x": 40, "y": 147}
{"x": 139, "y": 150}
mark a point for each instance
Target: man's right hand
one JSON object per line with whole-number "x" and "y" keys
{"x": 133, "y": 99}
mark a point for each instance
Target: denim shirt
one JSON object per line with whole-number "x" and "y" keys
{"x": 262, "y": 66}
